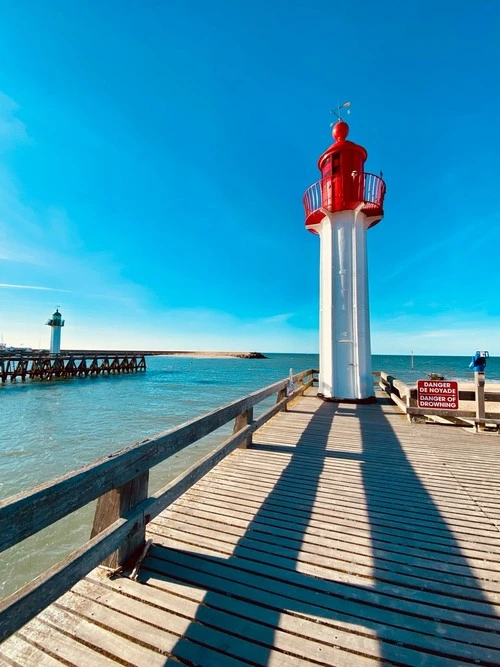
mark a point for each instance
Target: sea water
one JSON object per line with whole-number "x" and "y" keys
{"x": 50, "y": 428}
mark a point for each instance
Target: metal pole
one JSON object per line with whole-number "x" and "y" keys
{"x": 480, "y": 412}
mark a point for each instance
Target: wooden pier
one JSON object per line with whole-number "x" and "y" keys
{"x": 333, "y": 534}
{"x": 43, "y": 366}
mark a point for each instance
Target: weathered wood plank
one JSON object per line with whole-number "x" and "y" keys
{"x": 226, "y": 637}
{"x": 286, "y": 561}
{"x": 438, "y": 547}
{"x": 295, "y": 635}
{"x": 246, "y": 477}
{"x": 337, "y": 556}
{"x": 307, "y": 595}
{"x": 264, "y": 605}
{"x": 60, "y": 646}
{"x": 20, "y": 652}
{"x": 87, "y": 630}
{"x": 345, "y": 546}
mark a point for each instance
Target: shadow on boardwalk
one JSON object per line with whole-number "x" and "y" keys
{"x": 307, "y": 579}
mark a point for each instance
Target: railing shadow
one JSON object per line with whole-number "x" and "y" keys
{"x": 395, "y": 585}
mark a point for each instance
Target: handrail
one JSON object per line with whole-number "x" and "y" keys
{"x": 405, "y": 397}
{"x": 371, "y": 192}
{"x": 123, "y": 473}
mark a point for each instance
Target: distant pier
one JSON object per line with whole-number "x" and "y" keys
{"x": 45, "y": 366}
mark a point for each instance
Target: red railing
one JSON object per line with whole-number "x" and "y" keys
{"x": 371, "y": 191}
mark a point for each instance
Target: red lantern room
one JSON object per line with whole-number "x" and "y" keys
{"x": 344, "y": 185}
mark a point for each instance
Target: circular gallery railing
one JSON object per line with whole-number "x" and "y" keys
{"x": 366, "y": 189}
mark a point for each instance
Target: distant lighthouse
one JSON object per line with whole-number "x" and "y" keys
{"x": 55, "y": 323}
{"x": 340, "y": 208}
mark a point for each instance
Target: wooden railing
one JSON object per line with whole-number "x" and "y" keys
{"x": 405, "y": 397}
{"x": 120, "y": 483}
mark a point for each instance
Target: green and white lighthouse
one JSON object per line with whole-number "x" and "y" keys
{"x": 55, "y": 323}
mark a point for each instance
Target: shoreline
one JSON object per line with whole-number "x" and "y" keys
{"x": 215, "y": 355}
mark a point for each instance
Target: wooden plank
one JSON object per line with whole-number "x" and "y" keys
{"x": 343, "y": 567}
{"x": 255, "y": 484}
{"x": 329, "y": 491}
{"x": 88, "y": 631}
{"x": 270, "y": 626}
{"x": 344, "y": 521}
{"x": 221, "y": 636}
{"x": 306, "y": 595}
{"x": 373, "y": 480}
{"x": 353, "y": 551}
{"x": 462, "y": 520}
{"x": 19, "y": 652}
{"x": 291, "y": 530}
{"x": 220, "y": 504}
{"x": 326, "y": 571}
{"x": 50, "y": 640}
{"x": 239, "y": 599}
{"x": 343, "y": 524}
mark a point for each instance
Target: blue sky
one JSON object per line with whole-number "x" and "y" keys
{"x": 153, "y": 158}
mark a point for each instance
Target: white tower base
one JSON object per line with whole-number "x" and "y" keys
{"x": 55, "y": 340}
{"x": 344, "y": 345}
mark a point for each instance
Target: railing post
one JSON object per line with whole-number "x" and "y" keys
{"x": 242, "y": 420}
{"x": 281, "y": 396}
{"x": 116, "y": 503}
{"x": 411, "y": 402}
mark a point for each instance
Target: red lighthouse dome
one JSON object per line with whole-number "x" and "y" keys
{"x": 344, "y": 184}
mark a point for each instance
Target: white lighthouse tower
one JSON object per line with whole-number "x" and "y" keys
{"x": 340, "y": 208}
{"x": 55, "y": 323}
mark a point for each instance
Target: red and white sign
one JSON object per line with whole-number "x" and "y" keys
{"x": 437, "y": 394}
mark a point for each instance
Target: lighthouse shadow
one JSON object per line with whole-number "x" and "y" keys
{"x": 292, "y": 574}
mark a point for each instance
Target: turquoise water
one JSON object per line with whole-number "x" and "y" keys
{"x": 51, "y": 428}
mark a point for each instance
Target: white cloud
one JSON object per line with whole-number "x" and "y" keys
{"x": 35, "y": 287}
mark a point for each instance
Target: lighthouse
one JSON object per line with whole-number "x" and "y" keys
{"x": 55, "y": 323}
{"x": 340, "y": 208}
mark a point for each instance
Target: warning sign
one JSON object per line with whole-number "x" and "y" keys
{"x": 437, "y": 394}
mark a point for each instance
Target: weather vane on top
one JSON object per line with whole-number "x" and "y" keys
{"x": 338, "y": 111}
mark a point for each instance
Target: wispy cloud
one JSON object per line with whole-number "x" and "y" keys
{"x": 37, "y": 287}
{"x": 281, "y": 318}
{"x": 41, "y": 245}
{"x": 12, "y": 129}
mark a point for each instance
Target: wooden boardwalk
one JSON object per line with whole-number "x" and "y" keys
{"x": 343, "y": 536}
